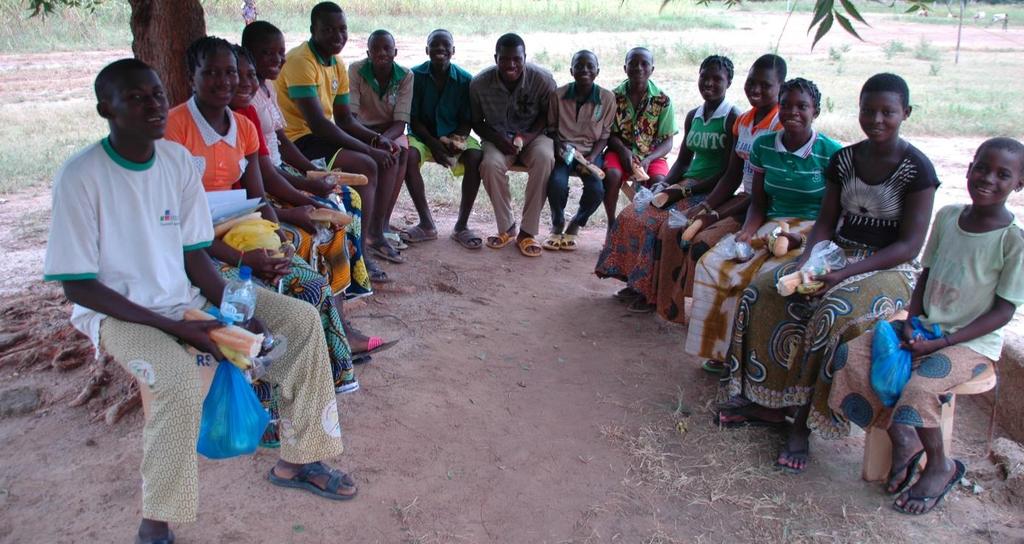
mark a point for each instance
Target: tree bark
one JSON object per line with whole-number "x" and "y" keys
{"x": 162, "y": 30}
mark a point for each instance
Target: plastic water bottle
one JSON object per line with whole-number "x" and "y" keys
{"x": 239, "y": 300}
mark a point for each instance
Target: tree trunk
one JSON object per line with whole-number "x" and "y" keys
{"x": 162, "y": 30}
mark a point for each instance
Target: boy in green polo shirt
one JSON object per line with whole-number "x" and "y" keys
{"x": 440, "y": 109}
{"x": 380, "y": 96}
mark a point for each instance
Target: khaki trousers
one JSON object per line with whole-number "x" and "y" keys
{"x": 539, "y": 159}
{"x": 309, "y": 411}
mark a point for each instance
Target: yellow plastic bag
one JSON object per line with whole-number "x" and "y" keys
{"x": 254, "y": 234}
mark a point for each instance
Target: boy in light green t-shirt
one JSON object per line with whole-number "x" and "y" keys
{"x": 970, "y": 287}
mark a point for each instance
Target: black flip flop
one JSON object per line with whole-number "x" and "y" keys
{"x": 361, "y": 359}
{"x": 311, "y": 470}
{"x": 958, "y": 474}
{"x": 746, "y": 421}
{"x": 376, "y": 274}
{"x": 909, "y": 472}
{"x": 626, "y": 294}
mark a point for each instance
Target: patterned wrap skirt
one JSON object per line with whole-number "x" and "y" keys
{"x": 784, "y": 349}
{"x": 632, "y": 243}
{"x": 853, "y": 400}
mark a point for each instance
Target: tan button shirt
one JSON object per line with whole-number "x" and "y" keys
{"x": 510, "y": 111}
{"x": 376, "y": 107}
{"x": 581, "y": 125}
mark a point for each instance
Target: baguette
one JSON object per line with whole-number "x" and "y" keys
{"x": 338, "y": 177}
{"x": 518, "y": 142}
{"x": 788, "y": 284}
{"x": 231, "y": 337}
{"x": 693, "y": 229}
{"x": 780, "y": 243}
{"x": 592, "y": 168}
{"x": 334, "y": 217}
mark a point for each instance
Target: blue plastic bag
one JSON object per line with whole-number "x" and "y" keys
{"x": 233, "y": 419}
{"x": 890, "y": 364}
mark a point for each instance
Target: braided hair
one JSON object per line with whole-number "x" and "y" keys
{"x": 720, "y": 62}
{"x": 804, "y": 86}
{"x": 204, "y": 47}
{"x": 771, "y": 62}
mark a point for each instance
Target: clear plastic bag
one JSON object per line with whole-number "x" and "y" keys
{"x": 233, "y": 419}
{"x": 733, "y": 250}
{"x": 825, "y": 257}
{"x": 743, "y": 252}
{"x": 642, "y": 198}
{"x": 677, "y": 219}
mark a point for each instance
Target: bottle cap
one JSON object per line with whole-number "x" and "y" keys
{"x": 244, "y": 273}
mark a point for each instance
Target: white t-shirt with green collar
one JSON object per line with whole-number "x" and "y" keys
{"x": 128, "y": 225}
{"x": 966, "y": 271}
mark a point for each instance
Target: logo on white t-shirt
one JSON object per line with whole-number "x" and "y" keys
{"x": 167, "y": 218}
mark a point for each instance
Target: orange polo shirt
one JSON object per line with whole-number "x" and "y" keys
{"x": 221, "y": 160}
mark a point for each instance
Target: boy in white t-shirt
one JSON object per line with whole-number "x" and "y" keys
{"x": 129, "y": 215}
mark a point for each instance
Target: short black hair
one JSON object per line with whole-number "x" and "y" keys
{"x": 380, "y": 32}
{"x": 258, "y": 32}
{"x": 637, "y": 50}
{"x": 243, "y": 53}
{"x": 771, "y": 62}
{"x": 204, "y": 47}
{"x": 720, "y": 62}
{"x": 802, "y": 85}
{"x": 324, "y": 8}
{"x": 1006, "y": 144}
{"x": 887, "y": 83}
{"x": 113, "y": 75}
{"x": 437, "y": 31}
{"x": 509, "y": 40}
{"x": 584, "y": 52}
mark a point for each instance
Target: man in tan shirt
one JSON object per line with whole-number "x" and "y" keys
{"x": 509, "y": 103}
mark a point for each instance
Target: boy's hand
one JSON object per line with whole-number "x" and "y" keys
{"x": 828, "y": 281}
{"x": 383, "y": 158}
{"x": 907, "y": 332}
{"x": 299, "y": 216}
{"x": 646, "y": 162}
{"x": 745, "y": 235}
{"x": 320, "y": 187}
{"x": 197, "y": 335}
{"x": 506, "y": 146}
{"x": 256, "y": 326}
{"x": 266, "y": 266}
{"x": 920, "y": 347}
{"x": 385, "y": 143}
{"x": 794, "y": 240}
{"x": 440, "y": 153}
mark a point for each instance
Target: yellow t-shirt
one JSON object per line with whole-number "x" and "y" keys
{"x": 308, "y": 75}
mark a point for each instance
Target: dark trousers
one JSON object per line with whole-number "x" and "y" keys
{"x": 558, "y": 193}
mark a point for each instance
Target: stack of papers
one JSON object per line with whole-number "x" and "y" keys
{"x": 227, "y": 205}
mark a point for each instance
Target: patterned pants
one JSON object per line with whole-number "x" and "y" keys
{"x": 309, "y": 411}
{"x": 852, "y": 398}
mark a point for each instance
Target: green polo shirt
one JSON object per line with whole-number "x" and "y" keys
{"x": 441, "y": 111}
{"x": 793, "y": 180}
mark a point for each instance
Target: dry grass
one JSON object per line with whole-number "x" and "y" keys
{"x": 728, "y": 475}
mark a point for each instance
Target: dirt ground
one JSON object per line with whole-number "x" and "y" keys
{"x": 523, "y": 404}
